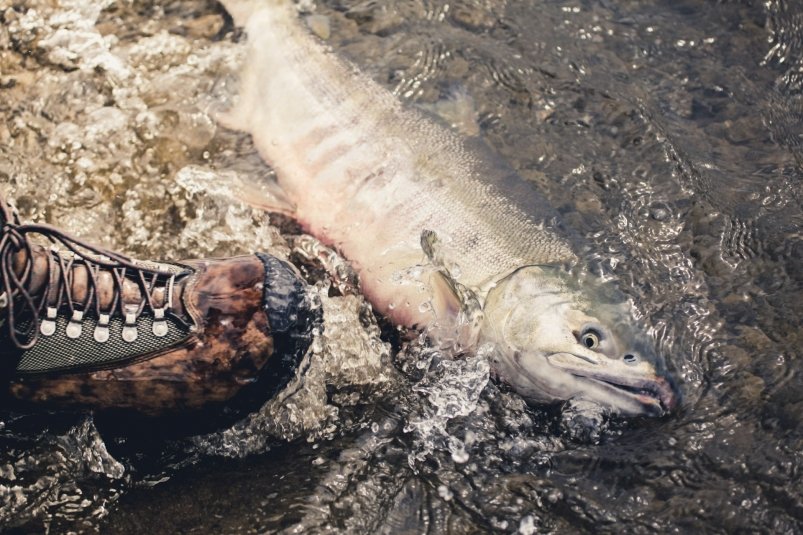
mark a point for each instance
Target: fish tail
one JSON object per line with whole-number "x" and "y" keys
{"x": 241, "y": 11}
{"x": 257, "y": 17}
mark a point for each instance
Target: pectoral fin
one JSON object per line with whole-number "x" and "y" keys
{"x": 445, "y": 299}
{"x": 457, "y": 307}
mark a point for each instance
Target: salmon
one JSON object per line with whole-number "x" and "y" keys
{"x": 443, "y": 233}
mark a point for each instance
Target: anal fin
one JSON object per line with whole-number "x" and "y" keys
{"x": 262, "y": 193}
{"x": 266, "y": 195}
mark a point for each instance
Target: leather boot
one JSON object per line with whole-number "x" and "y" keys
{"x": 84, "y": 326}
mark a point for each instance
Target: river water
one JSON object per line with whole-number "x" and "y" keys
{"x": 669, "y": 134}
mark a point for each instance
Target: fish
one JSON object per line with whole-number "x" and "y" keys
{"x": 445, "y": 237}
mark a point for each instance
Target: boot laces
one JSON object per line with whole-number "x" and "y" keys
{"x": 18, "y": 302}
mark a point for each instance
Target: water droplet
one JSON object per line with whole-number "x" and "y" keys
{"x": 659, "y": 212}
{"x": 460, "y": 456}
{"x": 527, "y": 525}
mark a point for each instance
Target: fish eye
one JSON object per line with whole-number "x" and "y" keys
{"x": 630, "y": 359}
{"x": 590, "y": 339}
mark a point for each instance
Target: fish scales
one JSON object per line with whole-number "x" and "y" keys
{"x": 367, "y": 175}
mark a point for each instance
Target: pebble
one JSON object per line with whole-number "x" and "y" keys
{"x": 320, "y": 26}
{"x": 206, "y": 26}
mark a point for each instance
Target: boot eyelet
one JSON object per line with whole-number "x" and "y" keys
{"x": 130, "y": 327}
{"x": 102, "y": 329}
{"x": 74, "y": 328}
{"x": 159, "y": 324}
{"x": 48, "y": 325}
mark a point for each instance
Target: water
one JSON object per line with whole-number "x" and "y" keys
{"x": 667, "y": 133}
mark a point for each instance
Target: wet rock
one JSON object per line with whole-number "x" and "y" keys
{"x": 751, "y": 390}
{"x": 582, "y": 421}
{"x": 588, "y": 203}
{"x": 736, "y": 355}
{"x": 381, "y": 18}
{"x": 457, "y": 68}
{"x": 754, "y": 338}
{"x": 741, "y": 130}
{"x": 320, "y": 26}
{"x": 205, "y": 27}
{"x": 475, "y": 14}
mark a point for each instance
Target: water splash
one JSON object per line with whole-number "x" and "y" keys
{"x": 215, "y": 223}
{"x": 347, "y": 365}
{"x": 583, "y": 421}
{"x": 450, "y": 389}
{"x": 46, "y": 479}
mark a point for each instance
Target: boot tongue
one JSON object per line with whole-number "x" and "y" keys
{"x": 37, "y": 274}
{"x": 45, "y": 268}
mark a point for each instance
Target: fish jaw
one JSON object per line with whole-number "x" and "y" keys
{"x": 655, "y": 394}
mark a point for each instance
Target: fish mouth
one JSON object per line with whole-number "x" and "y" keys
{"x": 654, "y": 394}
{"x": 657, "y": 395}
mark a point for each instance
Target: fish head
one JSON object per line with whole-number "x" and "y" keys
{"x": 556, "y": 339}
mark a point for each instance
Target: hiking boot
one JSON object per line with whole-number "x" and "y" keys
{"x": 80, "y": 325}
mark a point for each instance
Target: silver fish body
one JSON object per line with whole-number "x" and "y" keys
{"x": 369, "y": 176}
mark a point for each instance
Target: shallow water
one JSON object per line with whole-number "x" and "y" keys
{"x": 667, "y": 133}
